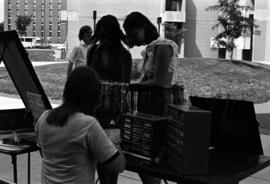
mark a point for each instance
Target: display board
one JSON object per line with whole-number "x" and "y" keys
{"x": 234, "y": 125}
{"x": 22, "y": 73}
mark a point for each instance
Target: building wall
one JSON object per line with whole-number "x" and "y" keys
{"x": 261, "y": 42}
{"x": 199, "y": 24}
{"x": 45, "y": 14}
{"x": 80, "y": 12}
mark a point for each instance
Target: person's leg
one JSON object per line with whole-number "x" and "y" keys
{"x": 149, "y": 179}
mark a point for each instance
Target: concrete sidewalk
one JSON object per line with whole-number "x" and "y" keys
{"x": 6, "y": 170}
{"x": 40, "y": 63}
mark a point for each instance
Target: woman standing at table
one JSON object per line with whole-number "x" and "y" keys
{"x": 160, "y": 54}
{"x": 159, "y": 57}
{"x": 112, "y": 62}
{"x": 72, "y": 142}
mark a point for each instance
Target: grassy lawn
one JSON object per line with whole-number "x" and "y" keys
{"x": 201, "y": 77}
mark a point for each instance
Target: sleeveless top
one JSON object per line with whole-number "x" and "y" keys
{"x": 149, "y": 56}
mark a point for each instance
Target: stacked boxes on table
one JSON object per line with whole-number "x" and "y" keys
{"x": 187, "y": 139}
{"x": 142, "y": 134}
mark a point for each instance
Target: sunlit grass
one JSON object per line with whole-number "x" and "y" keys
{"x": 201, "y": 77}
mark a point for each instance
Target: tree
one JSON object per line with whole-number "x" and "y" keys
{"x": 22, "y": 22}
{"x": 2, "y": 26}
{"x": 233, "y": 22}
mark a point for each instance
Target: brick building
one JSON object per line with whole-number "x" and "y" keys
{"x": 45, "y": 15}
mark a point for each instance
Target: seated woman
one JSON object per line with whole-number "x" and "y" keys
{"x": 72, "y": 141}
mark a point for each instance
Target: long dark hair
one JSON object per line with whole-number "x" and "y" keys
{"x": 138, "y": 20}
{"x": 80, "y": 94}
{"x": 108, "y": 28}
{"x": 110, "y": 37}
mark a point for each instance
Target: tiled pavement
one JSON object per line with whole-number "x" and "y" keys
{"x": 262, "y": 177}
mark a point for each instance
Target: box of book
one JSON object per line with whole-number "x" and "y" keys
{"x": 187, "y": 139}
{"x": 142, "y": 134}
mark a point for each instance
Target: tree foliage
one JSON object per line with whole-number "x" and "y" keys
{"x": 234, "y": 24}
{"x": 22, "y": 22}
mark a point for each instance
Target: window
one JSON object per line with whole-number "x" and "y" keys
{"x": 50, "y": 27}
{"x": 42, "y": 33}
{"x": 59, "y": 34}
{"x": 50, "y": 34}
{"x": 173, "y": 5}
{"x": 9, "y": 27}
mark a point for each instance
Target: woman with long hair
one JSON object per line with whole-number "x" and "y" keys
{"x": 72, "y": 142}
{"x": 108, "y": 56}
{"x": 159, "y": 57}
{"x": 160, "y": 54}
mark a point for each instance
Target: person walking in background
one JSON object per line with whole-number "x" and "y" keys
{"x": 77, "y": 56}
{"x": 159, "y": 58}
{"x": 112, "y": 61}
{"x": 71, "y": 140}
{"x": 107, "y": 55}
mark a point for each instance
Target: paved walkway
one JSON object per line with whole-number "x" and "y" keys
{"x": 40, "y": 63}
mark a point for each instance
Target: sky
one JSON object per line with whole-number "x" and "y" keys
{"x": 1, "y": 10}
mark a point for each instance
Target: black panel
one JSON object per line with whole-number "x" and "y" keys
{"x": 22, "y": 73}
{"x": 233, "y": 124}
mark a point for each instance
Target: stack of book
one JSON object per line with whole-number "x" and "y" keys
{"x": 115, "y": 98}
{"x": 155, "y": 99}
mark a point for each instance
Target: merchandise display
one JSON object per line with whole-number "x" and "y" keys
{"x": 187, "y": 139}
{"x": 142, "y": 134}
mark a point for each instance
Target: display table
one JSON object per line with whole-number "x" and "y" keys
{"x": 230, "y": 170}
{"x": 13, "y": 151}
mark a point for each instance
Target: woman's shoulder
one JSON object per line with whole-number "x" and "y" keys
{"x": 84, "y": 119}
{"x": 164, "y": 41}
